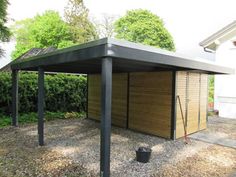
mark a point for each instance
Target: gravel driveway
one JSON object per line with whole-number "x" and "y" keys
{"x": 73, "y": 147}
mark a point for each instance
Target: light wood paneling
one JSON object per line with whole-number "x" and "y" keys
{"x": 203, "y": 101}
{"x": 94, "y": 96}
{"x": 192, "y": 89}
{"x": 119, "y": 98}
{"x": 181, "y": 85}
{"x": 193, "y": 102}
{"x": 150, "y": 102}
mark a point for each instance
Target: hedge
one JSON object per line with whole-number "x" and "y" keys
{"x": 5, "y": 120}
{"x": 63, "y": 92}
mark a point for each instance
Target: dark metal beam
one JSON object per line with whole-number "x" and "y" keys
{"x": 41, "y": 106}
{"x": 106, "y": 116}
{"x": 15, "y": 78}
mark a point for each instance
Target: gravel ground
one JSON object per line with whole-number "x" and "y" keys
{"x": 73, "y": 147}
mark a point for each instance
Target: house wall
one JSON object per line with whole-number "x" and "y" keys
{"x": 225, "y": 85}
{"x": 192, "y": 91}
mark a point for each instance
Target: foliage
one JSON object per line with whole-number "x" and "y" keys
{"x": 64, "y": 93}
{"x": 41, "y": 31}
{"x": 105, "y": 27}
{"x": 211, "y": 89}
{"x": 76, "y": 15}
{"x": 142, "y": 26}
{"x": 4, "y": 120}
{"x": 33, "y": 117}
{"x": 4, "y": 31}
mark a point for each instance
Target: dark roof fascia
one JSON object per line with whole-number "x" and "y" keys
{"x": 120, "y": 49}
{"x": 7, "y": 67}
{"x": 90, "y": 50}
{"x": 138, "y": 52}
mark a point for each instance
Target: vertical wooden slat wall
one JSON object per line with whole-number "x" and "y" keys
{"x": 181, "y": 85}
{"x": 192, "y": 90}
{"x": 150, "y": 99}
{"x": 119, "y": 98}
{"x": 193, "y": 102}
{"x": 150, "y": 102}
{"x": 203, "y": 101}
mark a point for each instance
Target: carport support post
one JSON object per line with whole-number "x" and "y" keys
{"x": 15, "y": 97}
{"x": 106, "y": 117}
{"x": 41, "y": 106}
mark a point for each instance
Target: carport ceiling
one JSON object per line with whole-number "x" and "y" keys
{"x": 126, "y": 57}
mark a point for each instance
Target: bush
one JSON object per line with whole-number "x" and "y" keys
{"x": 211, "y": 89}
{"x": 33, "y": 117}
{"x": 63, "y": 92}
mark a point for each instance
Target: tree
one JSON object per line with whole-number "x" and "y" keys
{"x": 76, "y": 15}
{"x": 106, "y": 27}
{"x": 142, "y": 26}
{"x": 4, "y": 31}
{"x": 41, "y": 31}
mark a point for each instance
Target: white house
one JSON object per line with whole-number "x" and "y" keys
{"x": 223, "y": 44}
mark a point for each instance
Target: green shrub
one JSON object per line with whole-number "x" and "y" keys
{"x": 4, "y": 120}
{"x": 63, "y": 92}
{"x": 33, "y": 117}
{"x": 211, "y": 89}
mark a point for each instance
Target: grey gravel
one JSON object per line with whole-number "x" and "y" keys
{"x": 73, "y": 149}
{"x": 83, "y": 146}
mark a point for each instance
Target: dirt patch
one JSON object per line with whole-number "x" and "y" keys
{"x": 213, "y": 161}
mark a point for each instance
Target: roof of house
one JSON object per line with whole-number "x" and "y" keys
{"x": 126, "y": 57}
{"x": 226, "y": 33}
{"x": 30, "y": 53}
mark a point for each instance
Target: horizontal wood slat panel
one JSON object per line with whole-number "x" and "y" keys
{"x": 150, "y": 102}
{"x": 119, "y": 98}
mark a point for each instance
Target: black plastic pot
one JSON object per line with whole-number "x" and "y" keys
{"x": 143, "y": 154}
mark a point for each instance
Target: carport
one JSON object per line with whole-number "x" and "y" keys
{"x": 105, "y": 56}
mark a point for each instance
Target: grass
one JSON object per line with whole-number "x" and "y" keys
{"x": 5, "y": 120}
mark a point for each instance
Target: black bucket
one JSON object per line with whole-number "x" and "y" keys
{"x": 143, "y": 154}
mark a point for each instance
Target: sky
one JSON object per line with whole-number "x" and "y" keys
{"x": 188, "y": 21}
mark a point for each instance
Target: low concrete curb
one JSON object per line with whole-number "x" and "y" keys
{"x": 214, "y": 139}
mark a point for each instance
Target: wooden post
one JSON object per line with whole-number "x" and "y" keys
{"x": 106, "y": 117}
{"x": 15, "y": 97}
{"x": 41, "y": 106}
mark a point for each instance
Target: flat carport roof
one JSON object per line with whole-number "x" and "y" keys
{"x": 126, "y": 57}
{"x": 103, "y": 56}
